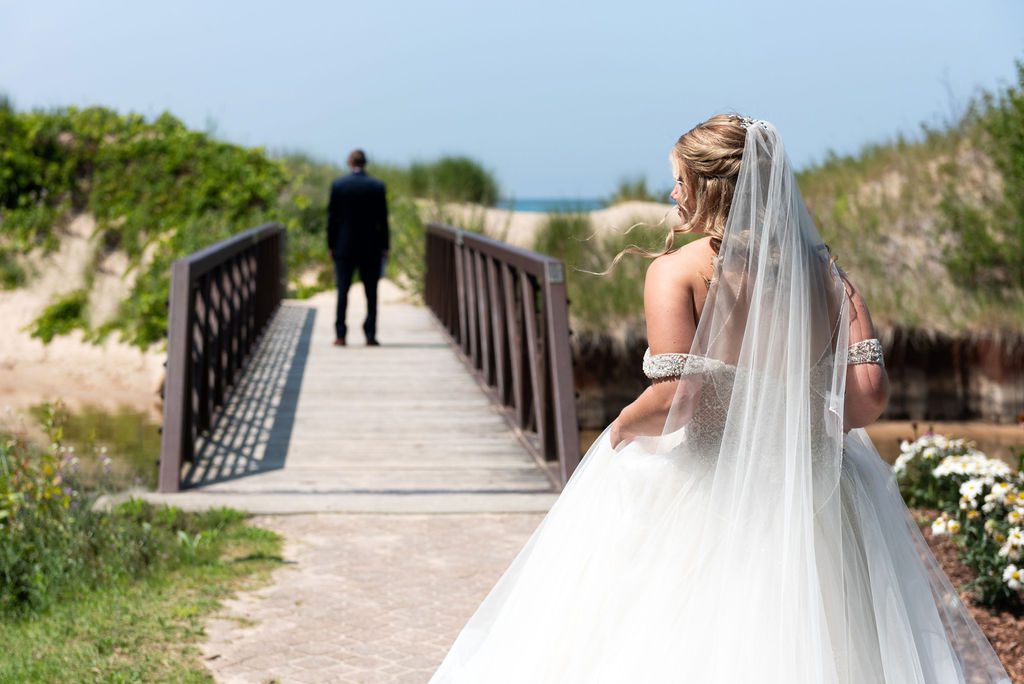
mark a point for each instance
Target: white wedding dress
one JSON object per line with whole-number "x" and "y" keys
{"x": 753, "y": 540}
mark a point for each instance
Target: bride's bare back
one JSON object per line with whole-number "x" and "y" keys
{"x": 675, "y": 290}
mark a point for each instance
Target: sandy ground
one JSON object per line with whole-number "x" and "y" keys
{"x": 111, "y": 375}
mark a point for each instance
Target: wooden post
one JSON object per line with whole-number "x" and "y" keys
{"x": 567, "y": 429}
{"x": 177, "y": 391}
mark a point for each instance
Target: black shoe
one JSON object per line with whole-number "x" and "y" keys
{"x": 372, "y": 343}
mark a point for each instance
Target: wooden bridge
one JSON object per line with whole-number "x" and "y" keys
{"x": 468, "y": 405}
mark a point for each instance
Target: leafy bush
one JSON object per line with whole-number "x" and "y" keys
{"x": 147, "y": 183}
{"x": 981, "y": 504}
{"x": 12, "y": 274}
{"x": 65, "y": 314}
{"x": 53, "y": 545}
{"x": 160, "y": 191}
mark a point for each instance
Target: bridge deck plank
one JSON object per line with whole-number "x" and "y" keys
{"x": 400, "y": 427}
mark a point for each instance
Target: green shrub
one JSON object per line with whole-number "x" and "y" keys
{"x": 12, "y": 275}
{"x": 145, "y": 182}
{"x": 66, "y": 313}
{"x": 53, "y": 544}
{"x": 160, "y": 191}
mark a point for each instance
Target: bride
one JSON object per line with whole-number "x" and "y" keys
{"x": 734, "y": 523}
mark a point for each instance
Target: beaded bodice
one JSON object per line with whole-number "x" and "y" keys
{"x": 712, "y": 392}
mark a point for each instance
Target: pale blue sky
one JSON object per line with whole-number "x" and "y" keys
{"x": 557, "y": 98}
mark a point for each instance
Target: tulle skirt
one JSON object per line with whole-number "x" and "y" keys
{"x": 615, "y": 585}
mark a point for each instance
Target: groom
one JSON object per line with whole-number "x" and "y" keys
{"x": 357, "y": 236}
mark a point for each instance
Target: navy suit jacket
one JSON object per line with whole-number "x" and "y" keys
{"x": 357, "y": 217}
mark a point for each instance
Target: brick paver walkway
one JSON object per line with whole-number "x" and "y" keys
{"x": 365, "y": 598}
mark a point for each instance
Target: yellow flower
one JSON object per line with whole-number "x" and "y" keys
{"x": 972, "y": 515}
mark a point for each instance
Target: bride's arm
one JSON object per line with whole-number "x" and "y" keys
{"x": 867, "y": 384}
{"x": 669, "y": 312}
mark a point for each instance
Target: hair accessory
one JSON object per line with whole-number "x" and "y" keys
{"x": 746, "y": 122}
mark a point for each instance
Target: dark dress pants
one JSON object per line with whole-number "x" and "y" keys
{"x": 369, "y": 272}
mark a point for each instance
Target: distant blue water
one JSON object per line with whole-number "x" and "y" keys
{"x": 551, "y": 204}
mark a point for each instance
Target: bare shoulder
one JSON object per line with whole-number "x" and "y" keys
{"x": 684, "y": 267}
{"x": 853, "y": 292}
{"x": 861, "y": 325}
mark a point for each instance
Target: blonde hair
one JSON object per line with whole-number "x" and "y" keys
{"x": 707, "y": 159}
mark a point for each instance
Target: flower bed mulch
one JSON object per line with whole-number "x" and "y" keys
{"x": 1004, "y": 627}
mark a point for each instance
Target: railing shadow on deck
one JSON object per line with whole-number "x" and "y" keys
{"x": 254, "y": 429}
{"x": 221, "y": 300}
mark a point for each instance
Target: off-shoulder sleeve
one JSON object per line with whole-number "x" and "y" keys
{"x": 663, "y": 365}
{"x": 866, "y": 351}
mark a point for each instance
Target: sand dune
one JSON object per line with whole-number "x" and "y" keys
{"x": 110, "y": 375}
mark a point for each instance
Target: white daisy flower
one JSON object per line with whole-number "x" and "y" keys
{"x": 1013, "y": 576}
{"x": 1009, "y": 551}
{"x": 971, "y": 489}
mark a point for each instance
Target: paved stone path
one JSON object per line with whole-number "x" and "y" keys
{"x": 365, "y": 598}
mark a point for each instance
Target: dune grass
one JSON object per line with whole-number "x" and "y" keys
{"x": 614, "y": 299}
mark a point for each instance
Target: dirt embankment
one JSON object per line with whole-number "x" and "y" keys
{"x": 109, "y": 375}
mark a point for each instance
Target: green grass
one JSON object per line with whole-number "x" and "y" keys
{"x": 141, "y": 631}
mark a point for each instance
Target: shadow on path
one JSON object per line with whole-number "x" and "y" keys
{"x": 252, "y": 433}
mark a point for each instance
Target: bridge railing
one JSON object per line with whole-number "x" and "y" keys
{"x": 506, "y": 309}
{"x": 221, "y": 300}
